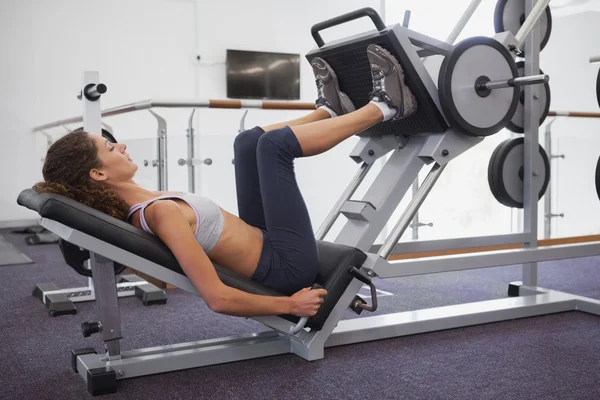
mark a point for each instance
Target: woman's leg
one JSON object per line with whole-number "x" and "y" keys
{"x": 294, "y": 257}
{"x": 318, "y": 137}
{"x": 317, "y": 115}
{"x": 249, "y": 199}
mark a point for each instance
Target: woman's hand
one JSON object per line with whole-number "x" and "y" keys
{"x": 306, "y": 302}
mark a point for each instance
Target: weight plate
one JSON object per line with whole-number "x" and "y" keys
{"x": 598, "y": 88}
{"x": 516, "y": 123}
{"x": 510, "y": 16}
{"x": 598, "y": 178}
{"x": 467, "y": 110}
{"x": 492, "y": 168}
{"x": 506, "y": 168}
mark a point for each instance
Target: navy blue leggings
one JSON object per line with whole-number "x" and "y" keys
{"x": 269, "y": 198}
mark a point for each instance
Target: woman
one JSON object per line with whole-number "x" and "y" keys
{"x": 272, "y": 241}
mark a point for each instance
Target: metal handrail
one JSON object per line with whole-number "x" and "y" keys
{"x": 198, "y": 103}
{"x": 574, "y": 114}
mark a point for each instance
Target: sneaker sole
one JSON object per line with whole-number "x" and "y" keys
{"x": 345, "y": 102}
{"x": 405, "y": 89}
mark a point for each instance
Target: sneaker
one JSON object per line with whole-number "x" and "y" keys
{"x": 388, "y": 82}
{"x": 328, "y": 89}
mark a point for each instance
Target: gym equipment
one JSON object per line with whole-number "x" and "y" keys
{"x": 542, "y": 103}
{"x": 506, "y": 172}
{"x": 598, "y": 87}
{"x": 352, "y": 259}
{"x": 29, "y": 229}
{"x": 509, "y": 15}
{"x": 598, "y": 178}
{"x": 37, "y": 235}
{"x": 76, "y": 257}
{"x": 466, "y": 86}
{"x": 44, "y": 237}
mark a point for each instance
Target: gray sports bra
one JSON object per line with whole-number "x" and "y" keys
{"x": 209, "y": 220}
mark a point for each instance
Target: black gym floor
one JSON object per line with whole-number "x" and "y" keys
{"x": 549, "y": 357}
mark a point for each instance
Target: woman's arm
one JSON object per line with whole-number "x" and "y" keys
{"x": 168, "y": 222}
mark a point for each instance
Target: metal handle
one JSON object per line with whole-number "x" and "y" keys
{"x": 406, "y": 20}
{"x": 366, "y": 279}
{"x": 299, "y": 326}
{"x": 243, "y": 122}
{"x": 302, "y": 323}
{"x": 430, "y": 224}
{"x": 351, "y": 16}
{"x": 93, "y": 91}
{"x": 522, "y": 81}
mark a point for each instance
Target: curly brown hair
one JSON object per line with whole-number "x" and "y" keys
{"x": 66, "y": 172}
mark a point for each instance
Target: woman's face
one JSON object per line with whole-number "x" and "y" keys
{"x": 115, "y": 161}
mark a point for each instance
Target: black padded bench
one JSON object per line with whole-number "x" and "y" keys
{"x": 334, "y": 262}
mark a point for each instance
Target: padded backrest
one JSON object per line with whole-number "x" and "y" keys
{"x": 348, "y": 58}
{"x": 334, "y": 259}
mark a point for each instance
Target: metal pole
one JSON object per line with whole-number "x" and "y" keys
{"x": 411, "y": 209}
{"x": 548, "y": 214}
{"x": 530, "y": 22}
{"x": 548, "y": 197}
{"x": 531, "y": 141}
{"x": 462, "y": 22}
{"x": 594, "y": 59}
{"x": 163, "y": 177}
{"x": 243, "y": 122}
{"x": 335, "y": 212}
{"x": 191, "y": 149}
{"x": 194, "y": 103}
{"x": 94, "y": 91}
{"x": 382, "y": 10}
{"x": 406, "y": 19}
{"x": 415, "y": 221}
{"x": 105, "y": 287}
{"x": 92, "y": 111}
{"x": 523, "y": 81}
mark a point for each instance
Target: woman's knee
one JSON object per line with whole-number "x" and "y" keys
{"x": 247, "y": 140}
{"x": 280, "y": 139}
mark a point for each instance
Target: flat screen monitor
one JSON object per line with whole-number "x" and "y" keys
{"x": 263, "y": 75}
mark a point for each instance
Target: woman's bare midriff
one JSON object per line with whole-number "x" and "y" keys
{"x": 239, "y": 246}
